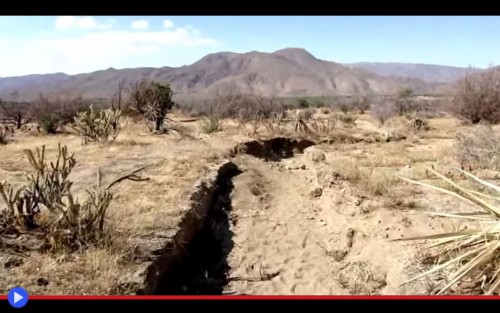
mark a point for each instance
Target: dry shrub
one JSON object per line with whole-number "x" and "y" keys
{"x": 479, "y": 147}
{"x": 477, "y": 97}
{"x": 383, "y": 110}
{"x": 416, "y": 122}
{"x": 404, "y": 101}
{"x": 361, "y": 278}
{"x": 363, "y": 104}
{"x": 50, "y": 113}
{"x": 348, "y": 118}
{"x": 323, "y": 127}
{"x": 345, "y": 105}
{"x": 306, "y": 114}
{"x": 470, "y": 253}
{"x": 324, "y": 111}
{"x": 372, "y": 180}
{"x": 98, "y": 126}
{"x": 46, "y": 204}
{"x": 209, "y": 124}
{"x": 255, "y": 110}
{"x": 277, "y": 123}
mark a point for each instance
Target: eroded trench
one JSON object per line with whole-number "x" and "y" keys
{"x": 195, "y": 261}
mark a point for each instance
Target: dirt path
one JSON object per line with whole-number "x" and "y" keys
{"x": 275, "y": 241}
{"x": 290, "y": 240}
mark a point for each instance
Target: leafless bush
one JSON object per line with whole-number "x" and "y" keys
{"x": 363, "y": 104}
{"x": 277, "y": 123}
{"x": 383, "y": 110}
{"x": 16, "y": 114}
{"x": 478, "y": 147}
{"x": 323, "y": 127}
{"x": 61, "y": 108}
{"x": 345, "y": 105}
{"x": 404, "y": 101}
{"x": 478, "y": 96}
{"x": 255, "y": 110}
{"x": 50, "y": 113}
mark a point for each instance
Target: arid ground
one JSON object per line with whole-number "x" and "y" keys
{"x": 316, "y": 220}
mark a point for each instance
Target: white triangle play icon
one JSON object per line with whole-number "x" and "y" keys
{"x": 17, "y": 297}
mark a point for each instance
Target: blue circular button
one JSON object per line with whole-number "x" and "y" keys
{"x": 17, "y": 297}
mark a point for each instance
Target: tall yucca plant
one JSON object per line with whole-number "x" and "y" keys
{"x": 472, "y": 249}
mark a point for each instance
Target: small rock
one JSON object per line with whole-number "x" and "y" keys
{"x": 42, "y": 281}
{"x": 316, "y": 155}
{"x": 337, "y": 255}
{"x": 358, "y": 202}
{"x": 350, "y": 237}
{"x": 386, "y": 235}
{"x": 13, "y": 262}
{"x": 316, "y": 192}
{"x": 303, "y": 167}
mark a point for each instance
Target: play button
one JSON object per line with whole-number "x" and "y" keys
{"x": 18, "y": 297}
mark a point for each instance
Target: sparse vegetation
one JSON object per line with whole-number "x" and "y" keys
{"x": 304, "y": 160}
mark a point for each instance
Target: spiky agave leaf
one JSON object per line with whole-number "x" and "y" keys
{"x": 473, "y": 248}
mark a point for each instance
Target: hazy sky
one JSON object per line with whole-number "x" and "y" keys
{"x": 70, "y": 44}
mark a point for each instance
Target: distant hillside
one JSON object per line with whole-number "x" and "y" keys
{"x": 286, "y": 72}
{"x": 427, "y": 72}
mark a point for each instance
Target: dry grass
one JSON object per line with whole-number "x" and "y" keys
{"x": 360, "y": 278}
{"x": 479, "y": 147}
{"x": 210, "y": 124}
{"x": 375, "y": 181}
{"x": 468, "y": 252}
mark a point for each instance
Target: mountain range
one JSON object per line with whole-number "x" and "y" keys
{"x": 288, "y": 72}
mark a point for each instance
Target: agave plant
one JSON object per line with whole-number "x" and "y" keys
{"x": 469, "y": 251}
